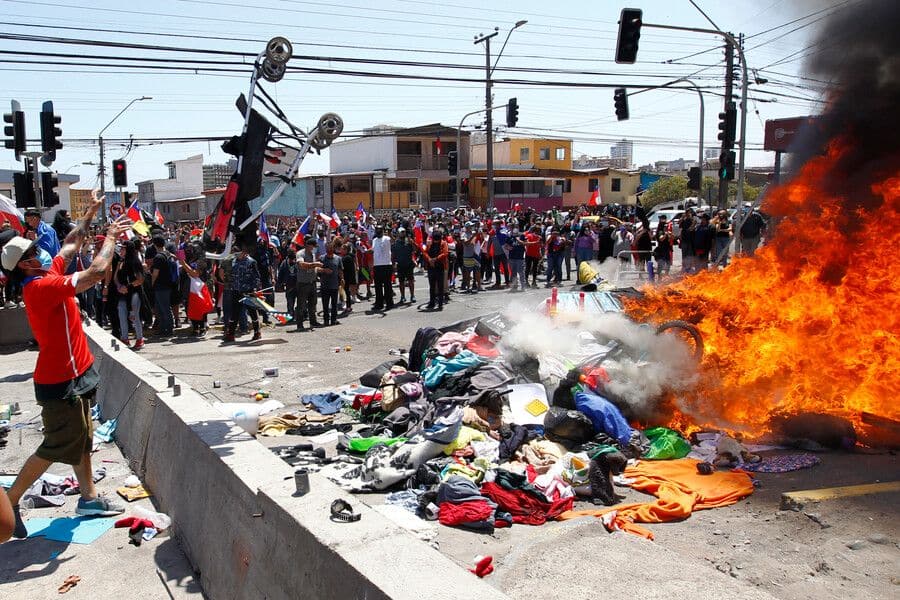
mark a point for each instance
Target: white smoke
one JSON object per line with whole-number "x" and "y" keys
{"x": 642, "y": 365}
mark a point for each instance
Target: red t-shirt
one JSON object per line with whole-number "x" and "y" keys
{"x": 56, "y": 324}
{"x": 533, "y": 250}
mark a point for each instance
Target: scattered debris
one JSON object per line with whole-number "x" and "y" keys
{"x": 70, "y": 582}
{"x": 817, "y": 518}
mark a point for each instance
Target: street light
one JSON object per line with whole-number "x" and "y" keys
{"x": 100, "y": 141}
{"x": 489, "y": 121}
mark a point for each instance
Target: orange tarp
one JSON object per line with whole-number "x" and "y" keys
{"x": 679, "y": 490}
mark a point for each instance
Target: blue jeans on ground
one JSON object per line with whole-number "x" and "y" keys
{"x": 554, "y": 267}
{"x": 163, "y": 300}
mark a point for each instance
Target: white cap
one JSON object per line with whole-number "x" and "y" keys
{"x": 13, "y": 251}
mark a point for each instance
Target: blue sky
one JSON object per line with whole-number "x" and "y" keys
{"x": 569, "y": 34}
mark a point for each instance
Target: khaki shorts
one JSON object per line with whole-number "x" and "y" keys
{"x": 68, "y": 430}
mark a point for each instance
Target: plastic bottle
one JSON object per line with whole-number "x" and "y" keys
{"x": 160, "y": 520}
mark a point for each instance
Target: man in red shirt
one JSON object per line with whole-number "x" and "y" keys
{"x": 65, "y": 380}
{"x": 533, "y": 243}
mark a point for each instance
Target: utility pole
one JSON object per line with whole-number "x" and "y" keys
{"x": 729, "y": 91}
{"x": 489, "y": 121}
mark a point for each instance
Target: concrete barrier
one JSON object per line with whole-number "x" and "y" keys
{"x": 232, "y": 506}
{"x": 14, "y": 327}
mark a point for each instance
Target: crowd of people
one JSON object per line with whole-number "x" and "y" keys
{"x": 338, "y": 262}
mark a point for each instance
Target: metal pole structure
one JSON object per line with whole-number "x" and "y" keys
{"x": 489, "y": 121}
{"x": 458, "y": 144}
{"x": 744, "y": 76}
{"x": 729, "y": 92}
{"x": 102, "y": 169}
{"x": 36, "y": 177}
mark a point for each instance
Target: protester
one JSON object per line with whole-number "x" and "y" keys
{"x": 287, "y": 280}
{"x": 435, "y": 256}
{"x": 721, "y": 225}
{"x": 40, "y": 232}
{"x": 584, "y": 245}
{"x": 498, "y": 245}
{"x": 753, "y": 227}
{"x": 331, "y": 278}
{"x": 555, "y": 248}
{"x": 65, "y": 379}
{"x": 129, "y": 281}
{"x": 381, "y": 256}
{"x": 162, "y": 281}
{"x": 404, "y": 253}
{"x": 703, "y": 242}
{"x": 517, "y": 260}
{"x": 688, "y": 255}
{"x": 244, "y": 281}
{"x": 533, "y": 246}
{"x": 663, "y": 252}
{"x": 306, "y": 285}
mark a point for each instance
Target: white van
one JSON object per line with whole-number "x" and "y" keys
{"x": 678, "y": 205}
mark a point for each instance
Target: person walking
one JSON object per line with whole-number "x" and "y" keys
{"x": 381, "y": 258}
{"x": 65, "y": 380}
{"x": 435, "y": 256}
{"x": 331, "y": 278}
{"x": 307, "y": 263}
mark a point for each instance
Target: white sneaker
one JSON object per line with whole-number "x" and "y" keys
{"x": 9, "y": 304}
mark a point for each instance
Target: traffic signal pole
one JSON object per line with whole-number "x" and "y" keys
{"x": 726, "y": 144}
{"x": 744, "y": 76}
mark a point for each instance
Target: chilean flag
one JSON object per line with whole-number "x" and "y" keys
{"x": 199, "y": 301}
{"x": 361, "y": 215}
{"x": 137, "y": 219}
{"x": 264, "y": 230}
{"x": 159, "y": 218}
{"x": 335, "y": 219}
{"x": 301, "y": 234}
{"x": 10, "y": 214}
{"x": 595, "y": 198}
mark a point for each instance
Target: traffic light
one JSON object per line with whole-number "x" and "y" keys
{"x": 728, "y": 125}
{"x": 49, "y": 183}
{"x": 452, "y": 186}
{"x": 452, "y": 166}
{"x": 629, "y": 34}
{"x": 726, "y": 165}
{"x": 49, "y": 133}
{"x": 15, "y": 130}
{"x": 695, "y": 176}
{"x": 120, "y": 173}
{"x": 512, "y": 112}
{"x": 24, "y": 189}
{"x": 620, "y": 98}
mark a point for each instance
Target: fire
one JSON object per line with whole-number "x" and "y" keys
{"x": 811, "y": 323}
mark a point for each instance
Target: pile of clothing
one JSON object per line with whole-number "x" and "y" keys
{"x": 473, "y": 436}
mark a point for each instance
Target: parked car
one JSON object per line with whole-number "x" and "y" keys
{"x": 672, "y": 216}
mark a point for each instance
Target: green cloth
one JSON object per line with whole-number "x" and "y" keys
{"x": 665, "y": 444}
{"x": 362, "y": 445}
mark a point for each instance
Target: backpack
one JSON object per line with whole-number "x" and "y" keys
{"x": 399, "y": 387}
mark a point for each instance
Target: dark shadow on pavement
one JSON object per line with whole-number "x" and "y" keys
{"x": 16, "y": 556}
{"x": 16, "y": 378}
{"x": 174, "y": 570}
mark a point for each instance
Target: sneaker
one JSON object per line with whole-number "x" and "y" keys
{"x": 99, "y": 506}
{"x": 9, "y": 304}
{"x": 20, "y": 532}
{"x": 256, "y": 336}
{"x": 412, "y": 299}
{"x": 402, "y": 299}
{"x": 138, "y": 344}
{"x": 126, "y": 342}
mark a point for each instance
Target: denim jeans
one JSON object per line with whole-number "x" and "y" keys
{"x": 722, "y": 244}
{"x": 554, "y": 266}
{"x": 135, "y": 316}
{"x": 163, "y": 300}
{"x": 517, "y": 266}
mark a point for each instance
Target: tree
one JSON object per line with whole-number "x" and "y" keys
{"x": 664, "y": 189}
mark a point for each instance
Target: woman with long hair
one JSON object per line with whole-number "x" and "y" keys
{"x": 128, "y": 278}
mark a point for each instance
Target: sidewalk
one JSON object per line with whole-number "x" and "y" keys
{"x": 110, "y": 566}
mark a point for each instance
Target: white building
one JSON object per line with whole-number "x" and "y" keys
{"x": 179, "y": 197}
{"x": 624, "y": 151}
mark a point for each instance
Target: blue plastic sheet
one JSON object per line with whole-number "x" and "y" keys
{"x": 604, "y": 415}
{"x": 83, "y": 530}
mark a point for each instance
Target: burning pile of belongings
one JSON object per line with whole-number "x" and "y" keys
{"x": 492, "y": 421}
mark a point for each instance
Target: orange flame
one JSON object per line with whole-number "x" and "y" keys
{"x": 811, "y": 323}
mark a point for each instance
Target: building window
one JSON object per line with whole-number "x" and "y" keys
{"x": 544, "y": 154}
{"x": 524, "y": 154}
{"x": 560, "y": 154}
{"x": 319, "y": 186}
{"x": 567, "y": 189}
{"x": 185, "y": 208}
{"x": 593, "y": 185}
{"x": 171, "y": 171}
{"x": 616, "y": 184}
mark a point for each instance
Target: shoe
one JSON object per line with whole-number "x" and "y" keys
{"x": 335, "y": 323}
{"x": 9, "y": 304}
{"x": 300, "y": 328}
{"x": 257, "y": 335}
{"x": 377, "y": 307}
{"x": 389, "y": 306}
{"x": 440, "y": 307}
{"x": 402, "y": 299}
{"x": 99, "y": 506}
{"x": 430, "y": 306}
{"x": 20, "y": 532}
{"x": 126, "y": 343}
{"x": 139, "y": 344}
